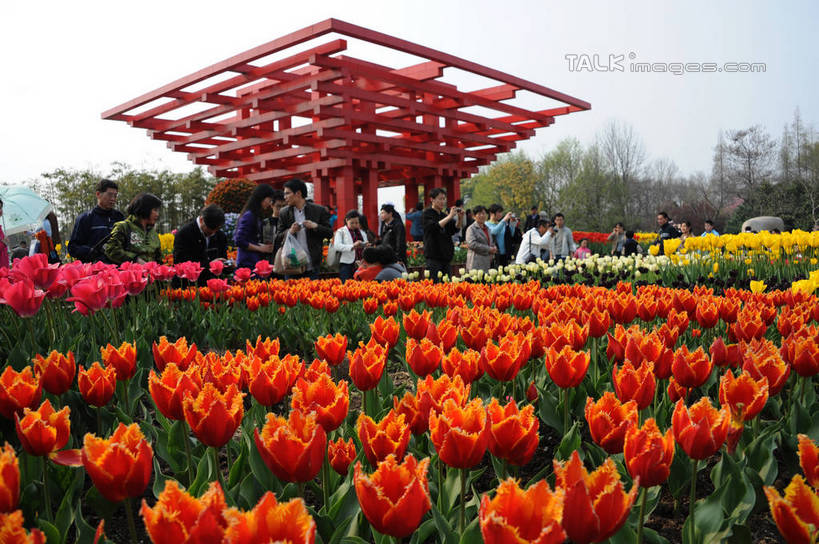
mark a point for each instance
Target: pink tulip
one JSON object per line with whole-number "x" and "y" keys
{"x": 36, "y": 269}
{"x": 263, "y": 269}
{"x": 89, "y": 295}
{"x": 23, "y": 297}
{"x": 216, "y": 267}
{"x": 242, "y": 274}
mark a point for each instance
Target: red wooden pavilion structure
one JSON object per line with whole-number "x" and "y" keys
{"x": 298, "y": 107}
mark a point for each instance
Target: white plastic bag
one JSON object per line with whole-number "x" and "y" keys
{"x": 292, "y": 257}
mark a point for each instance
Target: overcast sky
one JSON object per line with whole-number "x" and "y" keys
{"x": 65, "y": 62}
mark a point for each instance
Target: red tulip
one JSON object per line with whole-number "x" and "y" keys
{"x": 417, "y": 324}
{"x": 331, "y": 348}
{"x": 214, "y": 416}
{"x": 390, "y": 436}
{"x": 44, "y": 430}
{"x": 744, "y": 396}
{"x": 13, "y": 532}
{"x": 515, "y": 516}
{"x": 500, "y": 365}
{"x": 460, "y": 434}
{"x": 513, "y": 433}
{"x": 367, "y": 364}
{"x": 340, "y": 454}
{"x": 691, "y": 369}
{"x": 648, "y": 453}
{"x": 293, "y": 449}
{"x": 567, "y": 368}
{"x": 802, "y": 354}
{"x": 466, "y": 364}
{"x": 409, "y": 407}
{"x": 119, "y": 466}
{"x": 724, "y": 355}
{"x": 809, "y": 459}
{"x": 797, "y": 513}
{"x": 329, "y": 401}
{"x": 178, "y": 353}
{"x": 432, "y": 394}
{"x": 97, "y": 384}
{"x": 609, "y": 419}
{"x": 637, "y": 384}
{"x": 762, "y": 359}
{"x": 423, "y": 357}
{"x": 18, "y": 390}
{"x": 169, "y": 389}
{"x": 123, "y": 359}
{"x": 396, "y": 496}
{"x": 385, "y": 331}
{"x": 56, "y": 371}
{"x": 701, "y": 430}
{"x": 271, "y": 521}
{"x": 23, "y": 298}
{"x": 595, "y": 506}
{"x": 271, "y": 380}
{"x": 9, "y": 479}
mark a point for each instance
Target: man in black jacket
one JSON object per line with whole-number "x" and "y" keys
{"x": 393, "y": 232}
{"x": 439, "y": 226}
{"x": 665, "y": 231}
{"x": 202, "y": 240}
{"x": 308, "y": 222}
{"x": 92, "y": 228}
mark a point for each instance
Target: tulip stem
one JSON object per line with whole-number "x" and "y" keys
{"x": 325, "y": 485}
{"x": 802, "y": 393}
{"x": 129, "y": 512}
{"x": 99, "y": 421}
{"x": 214, "y": 453}
{"x": 463, "y": 502}
{"x": 643, "y": 494}
{"x": 46, "y": 493}
{"x": 566, "y": 411}
{"x": 693, "y": 496}
{"x": 190, "y": 458}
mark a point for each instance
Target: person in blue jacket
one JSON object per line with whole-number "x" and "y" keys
{"x": 248, "y": 233}
{"x": 93, "y": 228}
{"x": 417, "y": 225}
{"x": 497, "y": 224}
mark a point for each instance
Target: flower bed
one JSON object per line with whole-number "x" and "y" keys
{"x": 403, "y": 410}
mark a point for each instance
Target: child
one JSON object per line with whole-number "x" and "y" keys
{"x": 583, "y": 251}
{"x": 631, "y": 247}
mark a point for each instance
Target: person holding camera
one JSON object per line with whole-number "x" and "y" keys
{"x": 535, "y": 242}
{"x": 562, "y": 243}
{"x": 439, "y": 226}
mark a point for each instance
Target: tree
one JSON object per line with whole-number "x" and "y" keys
{"x": 509, "y": 182}
{"x": 557, "y": 170}
{"x": 625, "y": 154}
{"x": 750, "y": 154}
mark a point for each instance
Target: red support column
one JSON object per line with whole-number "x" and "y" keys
{"x": 370, "y": 194}
{"x": 345, "y": 192}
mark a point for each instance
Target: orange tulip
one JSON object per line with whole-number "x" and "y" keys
{"x": 122, "y": 358}
{"x": 271, "y": 521}
{"x": 370, "y": 305}
{"x": 609, "y": 419}
{"x": 802, "y": 354}
{"x": 178, "y": 517}
{"x": 448, "y": 334}
{"x": 558, "y": 335}
{"x": 177, "y": 352}
{"x": 367, "y": 364}
{"x": 9, "y": 479}
{"x": 460, "y": 434}
{"x": 56, "y": 371}
{"x": 499, "y": 364}
{"x": 13, "y": 532}
{"x": 323, "y": 396}
{"x": 221, "y": 372}
{"x": 169, "y": 389}
{"x": 723, "y": 354}
{"x": 385, "y": 331}
{"x": 410, "y": 407}
{"x": 293, "y": 449}
{"x": 97, "y": 384}
{"x": 18, "y": 390}
{"x": 341, "y": 454}
{"x": 599, "y": 323}
{"x": 762, "y": 359}
{"x": 475, "y": 335}
{"x": 423, "y": 357}
{"x": 119, "y": 466}
{"x": 416, "y": 324}
{"x": 707, "y": 314}
{"x": 797, "y": 513}
{"x": 271, "y": 380}
{"x": 637, "y": 384}
{"x": 809, "y": 459}
{"x": 701, "y": 429}
{"x": 749, "y": 326}
{"x": 432, "y": 394}
{"x": 648, "y": 453}
{"x": 595, "y": 505}
{"x": 331, "y": 348}
{"x": 513, "y": 433}
{"x": 395, "y": 497}
{"x": 567, "y": 368}
{"x": 44, "y": 430}
{"x": 515, "y": 516}
{"x": 390, "y": 436}
{"x": 314, "y": 372}
{"x": 466, "y": 364}
{"x": 691, "y": 369}
{"x": 263, "y": 349}
{"x": 623, "y": 308}
{"x": 214, "y": 416}
{"x": 675, "y": 391}
{"x": 744, "y": 396}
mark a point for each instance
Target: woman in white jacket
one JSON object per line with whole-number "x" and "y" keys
{"x": 349, "y": 241}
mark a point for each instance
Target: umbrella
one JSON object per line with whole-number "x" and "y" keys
{"x": 23, "y": 209}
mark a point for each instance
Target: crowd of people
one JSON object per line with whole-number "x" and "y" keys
{"x": 286, "y": 229}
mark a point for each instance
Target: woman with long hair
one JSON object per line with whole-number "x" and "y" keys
{"x": 249, "y": 228}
